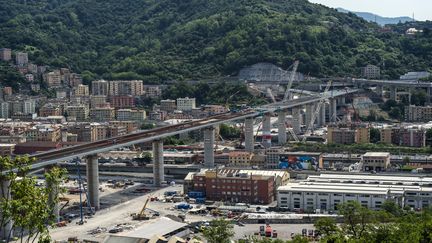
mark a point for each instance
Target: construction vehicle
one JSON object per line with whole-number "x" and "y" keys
{"x": 316, "y": 112}
{"x": 142, "y": 214}
{"x": 288, "y": 94}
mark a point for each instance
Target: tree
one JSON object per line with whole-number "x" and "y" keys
{"x": 392, "y": 208}
{"x": 31, "y": 208}
{"x": 375, "y": 135}
{"x": 229, "y": 132}
{"x": 219, "y": 231}
{"x": 147, "y": 157}
{"x": 356, "y": 219}
{"x": 326, "y": 226}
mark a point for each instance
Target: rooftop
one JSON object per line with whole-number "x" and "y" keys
{"x": 376, "y": 154}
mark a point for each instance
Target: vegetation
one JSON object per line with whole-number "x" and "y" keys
{"x": 176, "y": 40}
{"x": 229, "y": 132}
{"x": 220, "y": 93}
{"x": 31, "y": 209}
{"x": 219, "y": 231}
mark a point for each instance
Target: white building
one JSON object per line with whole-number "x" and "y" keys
{"x": 185, "y": 104}
{"x": 29, "y": 107}
{"x": 100, "y": 87}
{"x": 371, "y": 72}
{"x": 415, "y": 75}
{"x": 326, "y": 191}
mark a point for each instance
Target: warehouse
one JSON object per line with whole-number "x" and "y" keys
{"x": 326, "y": 192}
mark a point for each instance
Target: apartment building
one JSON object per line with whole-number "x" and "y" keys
{"x": 81, "y": 90}
{"x": 77, "y": 113}
{"x": 404, "y": 136}
{"x": 100, "y": 87}
{"x": 418, "y": 113}
{"x": 5, "y": 54}
{"x": 152, "y": 91}
{"x": 21, "y": 59}
{"x": 44, "y": 132}
{"x": 123, "y": 101}
{"x": 102, "y": 114}
{"x": 53, "y": 79}
{"x": 348, "y": 135}
{"x": 131, "y": 115}
{"x": 168, "y": 105}
{"x": 4, "y": 110}
{"x": 126, "y": 87}
{"x": 272, "y": 157}
{"x": 185, "y": 104}
{"x": 371, "y": 72}
{"x": 240, "y": 158}
{"x": 99, "y": 101}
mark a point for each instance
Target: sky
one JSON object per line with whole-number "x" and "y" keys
{"x": 422, "y": 9}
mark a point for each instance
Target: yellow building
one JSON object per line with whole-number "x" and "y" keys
{"x": 386, "y": 135}
{"x": 362, "y": 135}
{"x": 240, "y": 158}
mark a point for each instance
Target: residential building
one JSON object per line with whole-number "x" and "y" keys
{"x": 102, "y": 114}
{"x": 53, "y": 79}
{"x": 75, "y": 80}
{"x": 272, "y": 157}
{"x": 5, "y": 54}
{"x": 152, "y": 91}
{"x": 4, "y": 110}
{"x": 29, "y": 107}
{"x": 21, "y": 59}
{"x": 362, "y": 134}
{"x": 401, "y": 136}
{"x": 35, "y": 87}
{"x": 240, "y": 158}
{"x": 126, "y": 87}
{"x": 99, "y": 132}
{"x": 32, "y": 68}
{"x": 157, "y": 115}
{"x": 83, "y": 131}
{"x": 123, "y": 101}
{"x": 375, "y": 161}
{"x": 343, "y": 135}
{"x": 168, "y": 105}
{"x": 29, "y": 77}
{"x": 81, "y": 90}
{"x": 114, "y": 131}
{"x": 100, "y": 87}
{"x": 7, "y": 90}
{"x": 98, "y": 101}
{"x": 77, "y": 113}
{"x": 65, "y": 75}
{"x": 35, "y": 147}
{"x": 214, "y": 109}
{"x": 130, "y": 126}
{"x": 185, "y": 104}
{"x": 61, "y": 94}
{"x": 371, "y": 72}
{"x": 138, "y": 116}
{"x": 326, "y": 191}
{"x": 50, "y": 109}
{"x": 44, "y": 132}
{"x": 418, "y": 113}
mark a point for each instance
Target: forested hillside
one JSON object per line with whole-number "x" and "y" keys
{"x": 160, "y": 40}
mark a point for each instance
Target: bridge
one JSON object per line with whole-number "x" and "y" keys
{"x": 90, "y": 150}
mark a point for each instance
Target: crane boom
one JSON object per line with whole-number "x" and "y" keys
{"x": 317, "y": 110}
{"x": 270, "y": 93}
{"x": 288, "y": 95}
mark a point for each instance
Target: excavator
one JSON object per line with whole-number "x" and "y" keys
{"x": 142, "y": 214}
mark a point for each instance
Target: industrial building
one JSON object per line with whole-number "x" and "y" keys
{"x": 326, "y": 191}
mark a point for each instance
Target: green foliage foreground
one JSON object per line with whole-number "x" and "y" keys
{"x": 29, "y": 207}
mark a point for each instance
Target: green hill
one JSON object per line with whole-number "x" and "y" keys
{"x": 163, "y": 39}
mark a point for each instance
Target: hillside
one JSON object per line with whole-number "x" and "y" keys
{"x": 160, "y": 40}
{"x": 371, "y": 17}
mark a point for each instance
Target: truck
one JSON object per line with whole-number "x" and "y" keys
{"x": 183, "y": 206}
{"x": 268, "y": 231}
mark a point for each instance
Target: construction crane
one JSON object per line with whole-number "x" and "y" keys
{"x": 142, "y": 214}
{"x": 317, "y": 110}
{"x": 288, "y": 94}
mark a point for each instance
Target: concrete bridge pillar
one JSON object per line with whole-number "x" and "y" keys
{"x": 321, "y": 116}
{"x": 310, "y": 109}
{"x": 6, "y": 228}
{"x": 266, "y": 131}
{"x": 209, "y": 141}
{"x": 333, "y": 110}
{"x": 93, "y": 180}
{"x": 282, "y": 136}
{"x": 296, "y": 120}
{"x": 393, "y": 92}
{"x": 249, "y": 135}
{"x": 53, "y": 197}
{"x": 158, "y": 163}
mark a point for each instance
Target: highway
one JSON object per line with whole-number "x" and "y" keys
{"x": 55, "y": 156}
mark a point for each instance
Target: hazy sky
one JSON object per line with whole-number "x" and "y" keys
{"x": 422, "y": 9}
